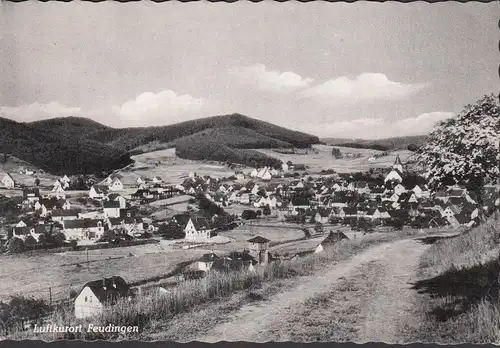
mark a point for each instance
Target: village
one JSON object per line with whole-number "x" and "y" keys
{"x": 202, "y": 213}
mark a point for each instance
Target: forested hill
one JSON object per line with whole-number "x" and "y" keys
{"x": 75, "y": 145}
{"x": 58, "y": 152}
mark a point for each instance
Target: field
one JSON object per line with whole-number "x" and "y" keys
{"x": 323, "y": 159}
{"x": 172, "y": 169}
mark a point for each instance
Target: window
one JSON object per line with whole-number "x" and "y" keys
{"x": 85, "y": 298}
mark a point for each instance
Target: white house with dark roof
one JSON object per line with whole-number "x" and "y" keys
{"x": 197, "y": 229}
{"x": 95, "y": 295}
{"x": 7, "y": 181}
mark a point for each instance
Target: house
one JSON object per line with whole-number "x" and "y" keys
{"x": 253, "y": 173}
{"x": 332, "y": 239}
{"x": 323, "y": 215}
{"x": 284, "y": 167}
{"x": 197, "y": 229}
{"x": 259, "y": 249}
{"x": 239, "y": 176}
{"x": 115, "y": 197}
{"x": 6, "y": 181}
{"x": 395, "y": 175}
{"x": 63, "y": 215}
{"x": 116, "y": 185}
{"x": 140, "y": 181}
{"x": 35, "y": 231}
{"x": 97, "y": 294}
{"x": 98, "y": 191}
{"x": 45, "y": 206}
{"x": 300, "y": 203}
{"x": 111, "y": 209}
{"x": 157, "y": 180}
{"x": 91, "y": 229}
{"x": 359, "y": 186}
{"x": 399, "y": 189}
{"x": 205, "y": 262}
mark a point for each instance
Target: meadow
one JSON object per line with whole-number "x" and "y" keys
{"x": 323, "y": 159}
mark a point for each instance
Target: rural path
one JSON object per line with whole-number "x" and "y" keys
{"x": 380, "y": 313}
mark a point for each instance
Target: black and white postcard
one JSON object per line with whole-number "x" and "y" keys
{"x": 271, "y": 171}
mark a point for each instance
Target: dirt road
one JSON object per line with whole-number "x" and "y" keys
{"x": 366, "y": 298}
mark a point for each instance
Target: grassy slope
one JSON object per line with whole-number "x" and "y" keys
{"x": 459, "y": 288}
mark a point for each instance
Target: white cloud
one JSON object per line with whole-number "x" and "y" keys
{"x": 377, "y": 128}
{"x": 38, "y": 111}
{"x": 271, "y": 80}
{"x": 367, "y": 87}
{"x": 160, "y": 108}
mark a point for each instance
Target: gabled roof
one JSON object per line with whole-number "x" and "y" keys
{"x": 333, "y": 238}
{"x": 101, "y": 188}
{"x": 108, "y": 289}
{"x": 210, "y": 257}
{"x": 70, "y": 212}
{"x": 111, "y": 204}
{"x": 258, "y": 240}
{"x": 81, "y": 223}
{"x": 199, "y": 222}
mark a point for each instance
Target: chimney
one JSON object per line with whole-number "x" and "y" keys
{"x": 104, "y": 283}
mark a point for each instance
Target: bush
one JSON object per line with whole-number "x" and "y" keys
{"x": 15, "y": 245}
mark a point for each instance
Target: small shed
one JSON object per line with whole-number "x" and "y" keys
{"x": 332, "y": 239}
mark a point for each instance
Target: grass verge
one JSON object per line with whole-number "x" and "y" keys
{"x": 459, "y": 288}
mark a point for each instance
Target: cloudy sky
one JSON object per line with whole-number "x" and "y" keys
{"x": 365, "y": 70}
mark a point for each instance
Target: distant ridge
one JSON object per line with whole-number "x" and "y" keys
{"x": 392, "y": 144}
{"x": 80, "y": 145}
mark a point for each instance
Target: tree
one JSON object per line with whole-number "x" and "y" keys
{"x": 15, "y": 245}
{"x": 249, "y": 214}
{"x": 465, "y": 148}
{"x": 30, "y": 242}
{"x": 267, "y": 210}
{"x": 58, "y": 239}
{"x": 413, "y": 147}
{"x": 336, "y": 153}
{"x": 37, "y": 182}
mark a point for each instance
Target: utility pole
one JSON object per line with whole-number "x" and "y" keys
{"x": 87, "y": 257}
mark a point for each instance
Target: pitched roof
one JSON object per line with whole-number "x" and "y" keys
{"x": 69, "y": 212}
{"x": 258, "y": 239}
{"x": 81, "y": 223}
{"x": 199, "y": 222}
{"x": 333, "y": 238}
{"x": 210, "y": 257}
{"x": 108, "y": 289}
{"x": 111, "y": 204}
{"x": 398, "y": 161}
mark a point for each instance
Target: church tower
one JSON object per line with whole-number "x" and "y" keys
{"x": 397, "y": 164}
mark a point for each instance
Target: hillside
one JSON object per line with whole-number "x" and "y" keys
{"x": 224, "y": 135}
{"x": 388, "y": 144}
{"x": 57, "y": 151}
{"x": 130, "y": 138}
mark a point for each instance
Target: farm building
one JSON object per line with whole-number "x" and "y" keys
{"x": 98, "y": 191}
{"x": 95, "y": 295}
{"x": 332, "y": 239}
{"x": 7, "y": 181}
